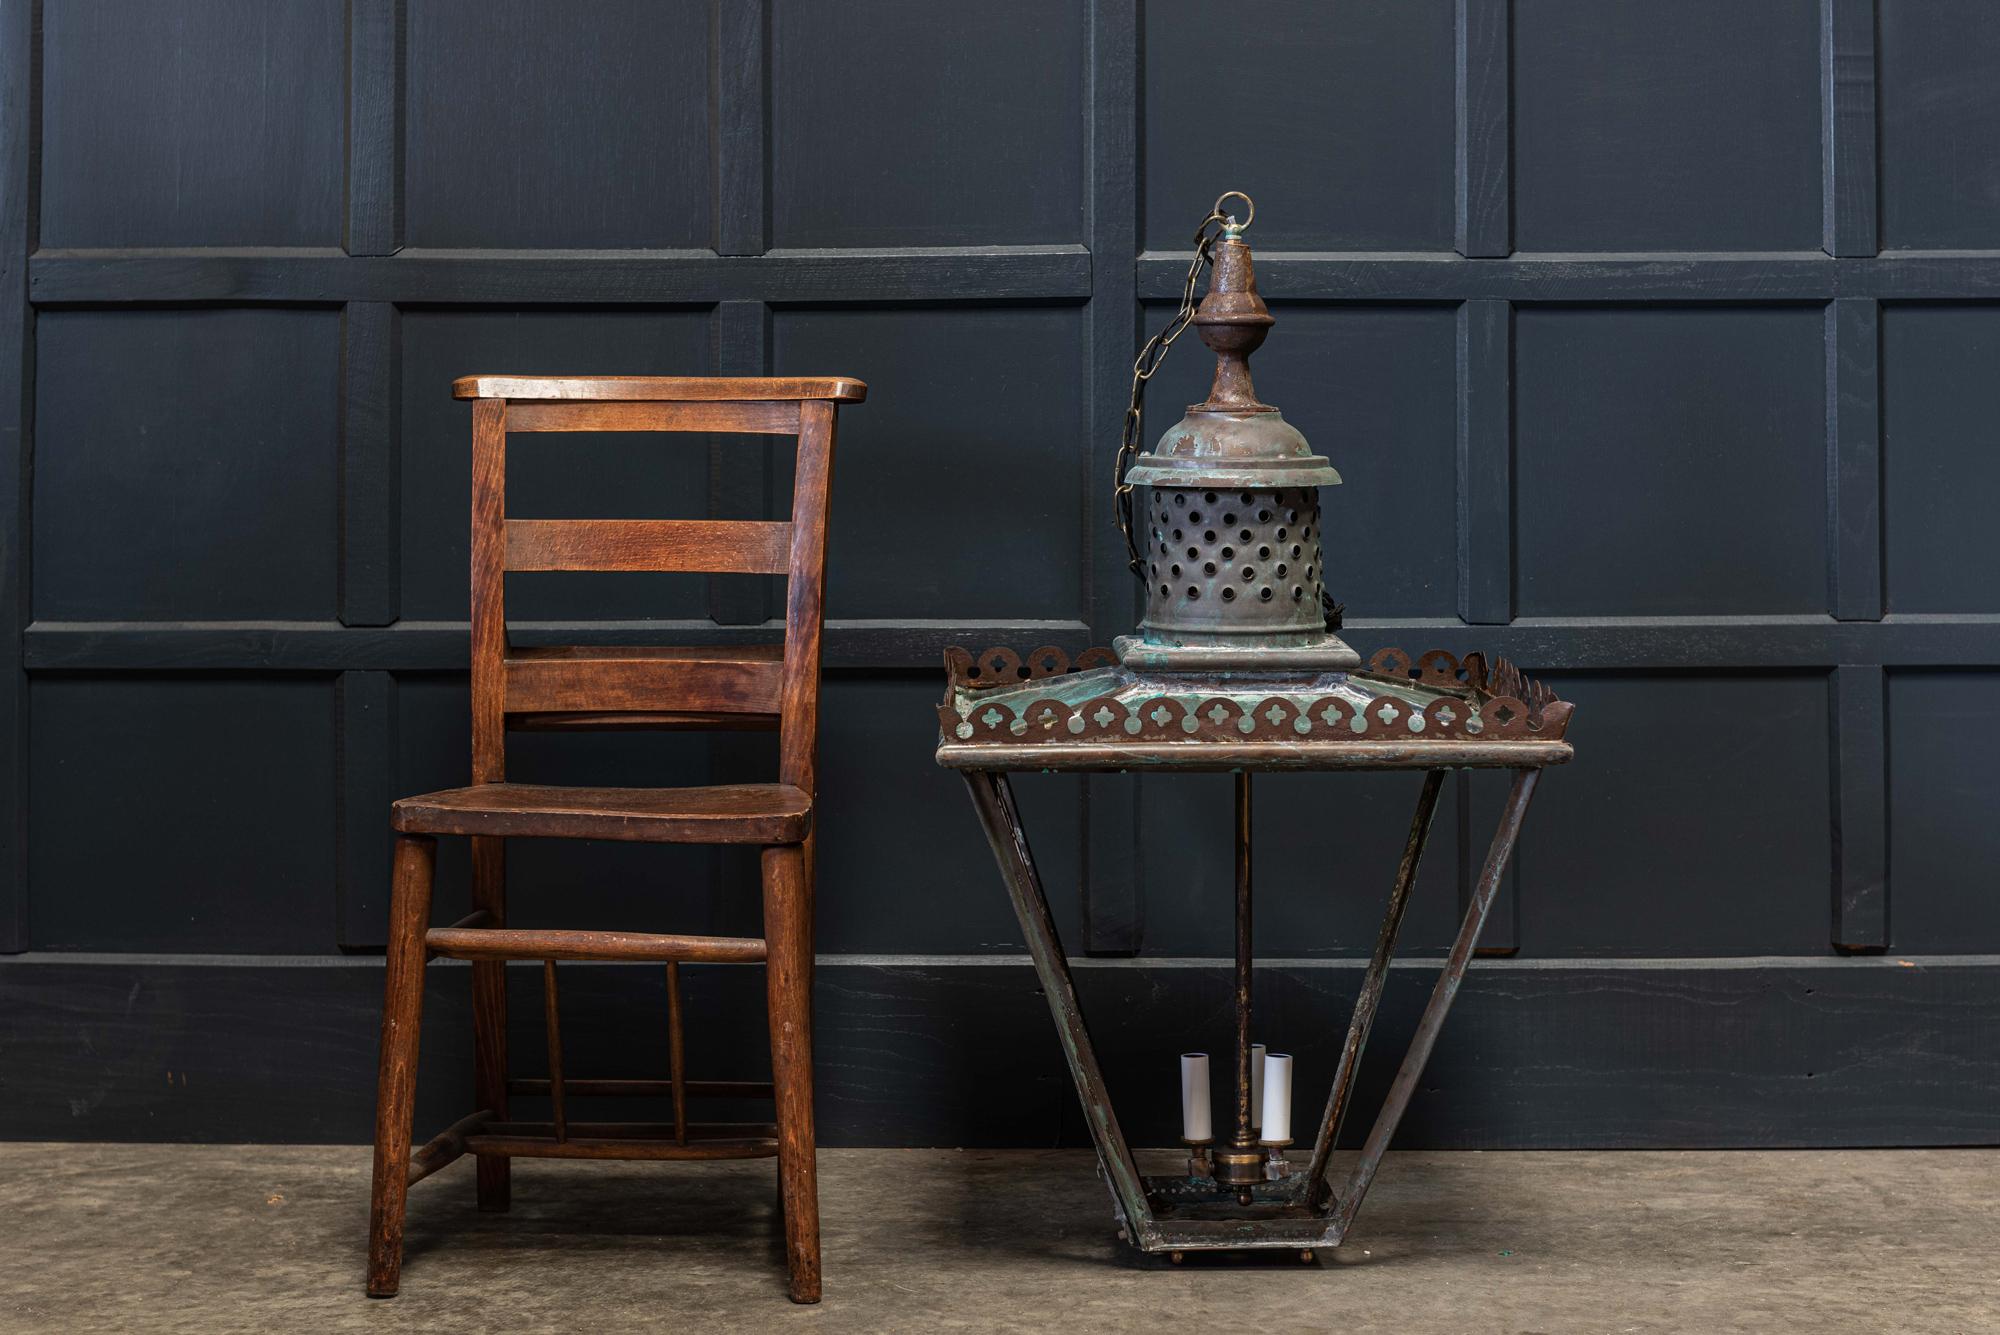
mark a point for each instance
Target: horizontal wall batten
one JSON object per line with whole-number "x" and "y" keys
{"x": 444, "y": 646}
{"x": 1541, "y": 643}
{"x": 1708, "y": 276}
{"x": 1034, "y": 273}
{"x": 1534, "y": 1054}
{"x": 1049, "y": 273}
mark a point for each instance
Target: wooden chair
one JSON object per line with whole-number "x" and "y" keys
{"x": 597, "y": 687}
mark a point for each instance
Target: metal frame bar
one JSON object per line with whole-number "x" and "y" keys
{"x": 1323, "y": 1223}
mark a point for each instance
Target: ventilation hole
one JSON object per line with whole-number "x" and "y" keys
{"x": 1281, "y": 570}
{"x": 1208, "y": 496}
{"x": 1208, "y": 568}
{"x": 1163, "y": 590}
{"x": 1246, "y": 535}
{"x": 1309, "y": 572}
{"x": 1228, "y": 594}
{"x": 1246, "y": 498}
{"x": 1194, "y": 516}
{"x": 1281, "y": 535}
{"x": 1306, "y": 532}
{"x": 1163, "y": 549}
{"x": 1193, "y": 552}
{"x": 1229, "y": 521}
{"x": 1297, "y": 593}
{"x": 1291, "y": 516}
{"x": 1209, "y": 536}
{"x": 1228, "y": 553}
{"x": 1178, "y": 535}
{"x": 1249, "y": 573}
{"x": 1156, "y": 570}
{"x": 1175, "y": 572}
{"x": 1263, "y": 553}
{"x": 1296, "y": 549}
{"x": 1263, "y": 516}
{"x": 1179, "y": 499}
{"x": 1193, "y": 593}
{"x": 1265, "y": 593}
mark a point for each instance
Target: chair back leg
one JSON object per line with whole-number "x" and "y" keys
{"x": 788, "y": 970}
{"x": 489, "y": 1021}
{"x": 396, "y": 1083}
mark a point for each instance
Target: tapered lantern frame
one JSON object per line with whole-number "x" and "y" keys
{"x": 1237, "y": 667}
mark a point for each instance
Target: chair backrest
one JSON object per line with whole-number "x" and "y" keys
{"x": 671, "y": 686}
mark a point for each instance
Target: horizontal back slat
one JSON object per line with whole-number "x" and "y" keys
{"x": 751, "y": 547}
{"x": 755, "y": 418}
{"x": 638, "y": 684}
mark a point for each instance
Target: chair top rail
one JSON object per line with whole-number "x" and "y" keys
{"x": 843, "y": 389}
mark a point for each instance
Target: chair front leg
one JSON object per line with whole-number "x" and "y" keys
{"x": 396, "y": 1083}
{"x": 788, "y": 939}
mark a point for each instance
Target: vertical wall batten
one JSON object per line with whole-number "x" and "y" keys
{"x": 1112, "y": 910}
{"x": 1484, "y": 167}
{"x": 1486, "y": 461}
{"x": 1861, "y": 806}
{"x": 374, "y": 221}
{"x": 19, "y": 133}
{"x": 1847, "y": 128}
{"x": 1854, "y": 458}
{"x": 742, "y": 125}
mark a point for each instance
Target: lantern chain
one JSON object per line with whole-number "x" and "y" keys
{"x": 1149, "y": 361}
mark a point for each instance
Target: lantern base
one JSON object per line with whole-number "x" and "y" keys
{"x": 1143, "y": 655}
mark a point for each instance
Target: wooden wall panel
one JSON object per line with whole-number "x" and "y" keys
{"x": 1586, "y": 302}
{"x": 1700, "y": 829}
{"x": 1669, "y": 461}
{"x": 1938, "y": 398}
{"x": 1715, "y": 147}
{"x": 1940, "y": 124}
{"x": 580, "y": 130}
{"x": 182, "y": 813}
{"x": 862, "y": 156}
{"x": 192, "y": 122}
{"x": 1226, "y": 106}
{"x": 970, "y": 413}
{"x": 1944, "y": 846}
{"x": 186, "y": 464}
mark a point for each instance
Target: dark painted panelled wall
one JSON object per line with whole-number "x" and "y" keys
{"x": 1656, "y": 342}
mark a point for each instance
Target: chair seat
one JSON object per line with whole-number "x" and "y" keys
{"x": 736, "y": 813}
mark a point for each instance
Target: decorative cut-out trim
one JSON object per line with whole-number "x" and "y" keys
{"x": 1496, "y": 703}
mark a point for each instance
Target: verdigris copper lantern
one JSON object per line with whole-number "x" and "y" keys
{"x": 1238, "y": 666}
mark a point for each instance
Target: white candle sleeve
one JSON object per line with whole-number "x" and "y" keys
{"x": 1277, "y": 1123}
{"x": 1194, "y": 1097}
{"x": 1256, "y": 1085}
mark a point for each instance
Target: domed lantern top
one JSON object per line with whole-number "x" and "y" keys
{"x": 1228, "y": 540}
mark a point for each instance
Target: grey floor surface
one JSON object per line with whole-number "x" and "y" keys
{"x": 144, "y": 1238}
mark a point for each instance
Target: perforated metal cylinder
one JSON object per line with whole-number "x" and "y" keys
{"x": 1225, "y": 565}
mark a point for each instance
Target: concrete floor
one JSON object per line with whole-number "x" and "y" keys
{"x": 153, "y": 1238}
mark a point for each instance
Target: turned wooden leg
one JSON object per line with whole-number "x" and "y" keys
{"x": 788, "y": 988}
{"x": 396, "y": 1084}
{"x": 489, "y": 1021}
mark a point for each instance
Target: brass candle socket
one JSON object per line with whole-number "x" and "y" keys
{"x": 1198, "y": 1161}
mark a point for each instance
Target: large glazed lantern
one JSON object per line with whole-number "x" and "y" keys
{"x": 1237, "y": 667}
